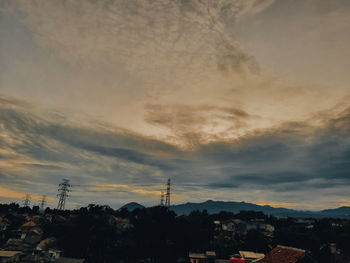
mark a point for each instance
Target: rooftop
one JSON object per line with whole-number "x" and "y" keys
{"x": 283, "y": 254}
{"x": 196, "y": 255}
{"x": 8, "y": 254}
{"x": 70, "y": 260}
{"x": 250, "y": 254}
{"x": 210, "y": 253}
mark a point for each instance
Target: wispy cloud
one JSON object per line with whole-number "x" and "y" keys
{"x": 217, "y": 95}
{"x": 12, "y": 194}
{"x": 275, "y": 204}
{"x": 191, "y": 35}
{"x": 293, "y": 158}
{"x": 192, "y": 125}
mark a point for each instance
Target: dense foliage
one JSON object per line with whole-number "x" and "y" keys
{"x": 101, "y": 234}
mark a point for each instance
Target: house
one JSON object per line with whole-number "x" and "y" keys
{"x": 304, "y": 221}
{"x": 9, "y": 256}
{"x": 53, "y": 254}
{"x": 28, "y": 226}
{"x": 120, "y": 223}
{"x": 342, "y": 257}
{"x": 228, "y": 226}
{"x": 207, "y": 257}
{"x": 283, "y": 254}
{"x": 15, "y": 244}
{"x": 235, "y": 225}
{"x": 197, "y": 257}
{"x": 46, "y": 243}
{"x": 252, "y": 225}
{"x": 250, "y": 256}
{"x": 33, "y": 237}
{"x": 258, "y": 225}
{"x": 339, "y": 256}
{"x": 211, "y": 255}
{"x": 42, "y": 249}
{"x": 4, "y": 226}
{"x": 267, "y": 227}
{"x": 70, "y": 260}
{"x": 217, "y": 225}
{"x": 236, "y": 258}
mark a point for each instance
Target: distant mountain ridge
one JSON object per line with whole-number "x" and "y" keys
{"x": 344, "y": 211}
{"x": 213, "y": 207}
{"x": 132, "y": 206}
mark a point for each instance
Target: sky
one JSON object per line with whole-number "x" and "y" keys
{"x": 234, "y": 100}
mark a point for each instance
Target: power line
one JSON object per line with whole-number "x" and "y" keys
{"x": 63, "y": 189}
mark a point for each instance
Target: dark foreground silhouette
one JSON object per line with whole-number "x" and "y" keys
{"x": 102, "y": 234}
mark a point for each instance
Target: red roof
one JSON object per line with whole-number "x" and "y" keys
{"x": 282, "y": 254}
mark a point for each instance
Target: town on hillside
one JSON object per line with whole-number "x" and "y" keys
{"x": 158, "y": 235}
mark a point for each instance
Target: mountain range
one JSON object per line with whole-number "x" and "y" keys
{"x": 213, "y": 207}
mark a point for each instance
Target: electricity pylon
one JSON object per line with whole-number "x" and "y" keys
{"x": 26, "y": 201}
{"x": 63, "y": 189}
{"x": 162, "y": 199}
{"x": 167, "y": 197}
{"x": 42, "y": 203}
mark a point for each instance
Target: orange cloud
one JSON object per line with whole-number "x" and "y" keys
{"x": 12, "y": 194}
{"x": 275, "y": 204}
{"x": 109, "y": 186}
{"x": 153, "y": 193}
{"x": 344, "y": 202}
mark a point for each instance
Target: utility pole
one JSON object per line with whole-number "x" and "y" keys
{"x": 167, "y": 197}
{"x": 26, "y": 201}
{"x": 63, "y": 189}
{"x": 42, "y": 203}
{"x": 162, "y": 199}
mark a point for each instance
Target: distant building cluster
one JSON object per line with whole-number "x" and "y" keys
{"x": 241, "y": 226}
{"x": 27, "y": 243}
{"x": 279, "y": 254}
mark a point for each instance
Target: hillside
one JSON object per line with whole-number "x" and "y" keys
{"x": 235, "y": 207}
{"x": 132, "y": 206}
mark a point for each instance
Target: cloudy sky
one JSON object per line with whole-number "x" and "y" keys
{"x": 240, "y": 100}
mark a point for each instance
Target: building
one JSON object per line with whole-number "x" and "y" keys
{"x": 28, "y": 226}
{"x": 70, "y": 260}
{"x": 250, "y": 256}
{"x": 9, "y": 256}
{"x": 211, "y": 256}
{"x": 53, "y": 254}
{"x": 237, "y": 225}
{"x": 283, "y": 254}
{"x": 4, "y": 226}
{"x": 207, "y": 257}
{"x": 197, "y": 257}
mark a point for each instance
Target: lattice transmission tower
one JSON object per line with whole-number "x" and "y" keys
{"x": 42, "y": 203}
{"x": 26, "y": 201}
{"x": 63, "y": 189}
{"x": 167, "y": 197}
{"x": 162, "y": 198}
